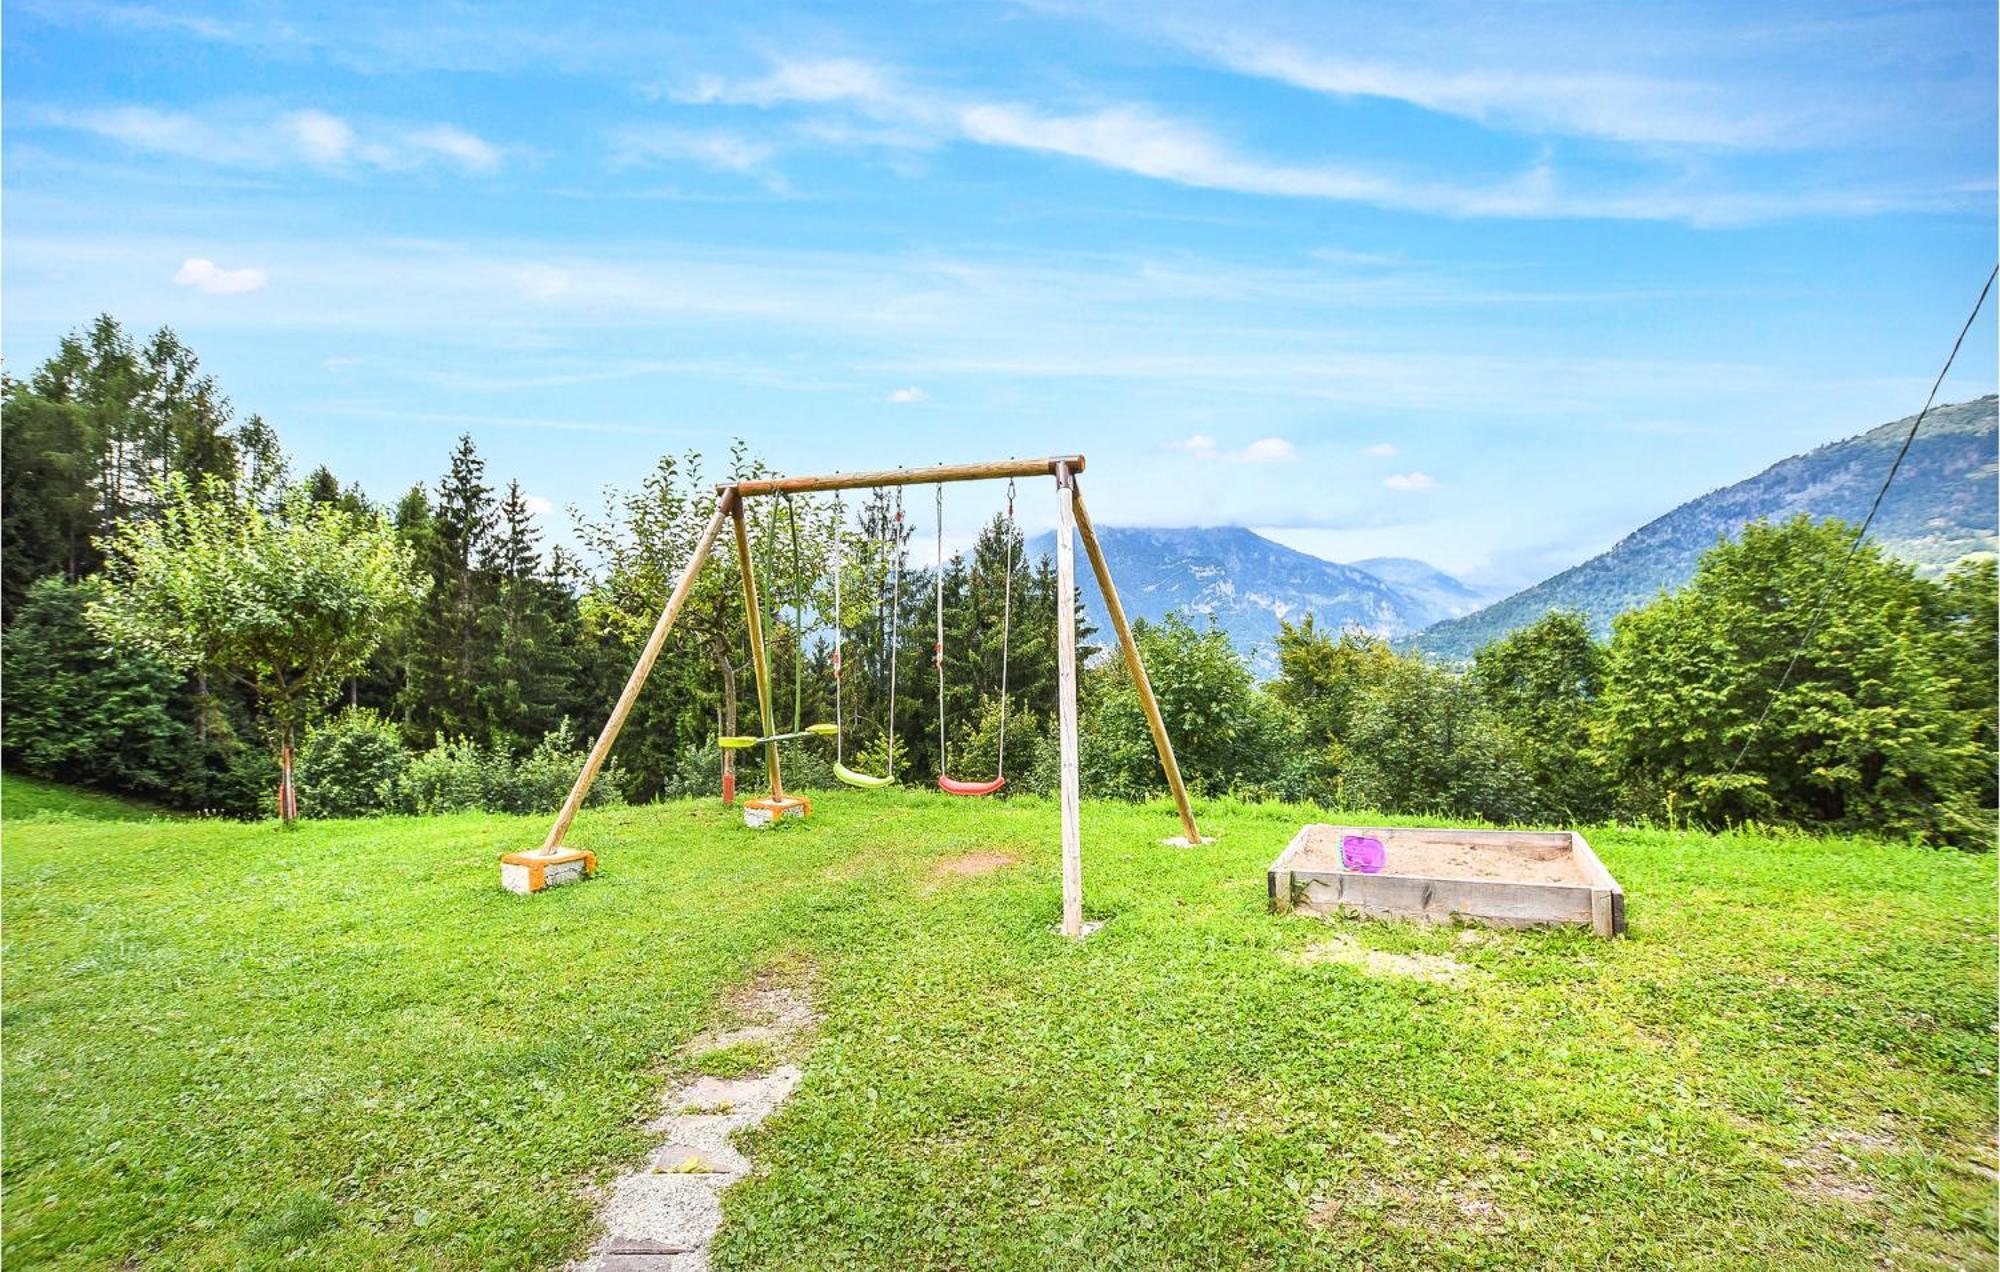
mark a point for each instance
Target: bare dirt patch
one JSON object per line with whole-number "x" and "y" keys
{"x": 1349, "y": 952}
{"x": 1826, "y": 1168}
{"x": 1443, "y": 1209}
{"x": 775, "y": 1007}
{"x": 972, "y": 865}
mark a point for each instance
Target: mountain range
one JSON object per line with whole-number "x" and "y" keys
{"x": 1247, "y": 583}
{"x": 1940, "y": 510}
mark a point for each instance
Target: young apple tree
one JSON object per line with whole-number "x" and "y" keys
{"x": 288, "y": 601}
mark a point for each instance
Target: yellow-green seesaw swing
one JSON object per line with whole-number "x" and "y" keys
{"x": 741, "y": 743}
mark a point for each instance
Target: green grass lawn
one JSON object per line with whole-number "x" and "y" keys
{"x": 31, "y": 799}
{"x": 344, "y": 1046}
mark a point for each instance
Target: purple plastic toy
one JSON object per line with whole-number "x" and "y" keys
{"x": 1363, "y": 853}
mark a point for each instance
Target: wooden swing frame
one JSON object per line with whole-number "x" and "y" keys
{"x": 1072, "y": 522}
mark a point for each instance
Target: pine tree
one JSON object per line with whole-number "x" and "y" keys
{"x": 449, "y": 662}
{"x": 532, "y": 667}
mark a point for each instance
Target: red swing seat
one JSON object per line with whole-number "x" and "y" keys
{"x": 952, "y": 786}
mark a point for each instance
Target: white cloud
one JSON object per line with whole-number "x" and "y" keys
{"x": 320, "y": 137}
{"x": 203, "y": 274}
{"x": 311, "y": 137}
{"x": 1381, "y": 450}
{"x": 907, "y": 396}
{"x": 815, "y": 80}
{"x": 1267, "y": 450}
{"x": 539, "y": 505}
{"x": 471, "y": 153}
{"x": 1410, "y": 481}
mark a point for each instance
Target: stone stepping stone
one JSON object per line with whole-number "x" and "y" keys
{"x": 692, "y": 1159}
{"x": 662, "y": 1217}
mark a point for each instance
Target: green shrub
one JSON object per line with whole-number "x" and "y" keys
{"x": 976, "y": 755}
{"x": 697, "y": 772}
{"x": 807, "y": 765}
{"x": 541, "y": 781}
{"x": 351, "y": 766}
{"x": 455, "y": 776}
{"x": 1424, "y": 741}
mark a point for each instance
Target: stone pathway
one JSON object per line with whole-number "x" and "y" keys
{"x": 661, "y": 1217}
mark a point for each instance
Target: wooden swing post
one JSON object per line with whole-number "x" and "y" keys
{"x": 724, "y": 502}
{"x": 755, "y": 621}
{"x": 1134, "y": 666}
{"x": 1068, "y": 795}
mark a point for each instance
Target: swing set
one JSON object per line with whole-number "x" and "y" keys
{"x": 553, "y": 862}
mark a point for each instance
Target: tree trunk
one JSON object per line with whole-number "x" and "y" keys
{"x": 202, "y": 706}
{"x": 288, "y": 795}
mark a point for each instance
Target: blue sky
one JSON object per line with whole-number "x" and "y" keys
{"x": 1483, "y": 284}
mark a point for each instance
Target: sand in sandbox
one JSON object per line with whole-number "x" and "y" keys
{"x": 1439, "y": 854}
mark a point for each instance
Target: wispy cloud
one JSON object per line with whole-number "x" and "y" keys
{"x": 1617, "y": 107}
{"x": 205, "y": 275}
{"x": 309, "y": 138}
{"x": 1136, "y": 138}
{"x": 719, "y": 150}
{"x": 907, "y": 396}
{"x": 1381, "y": 450}
{"x": 1412, "y": 481}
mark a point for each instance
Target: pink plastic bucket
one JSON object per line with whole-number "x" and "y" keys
{"x": 1363, "y": 853}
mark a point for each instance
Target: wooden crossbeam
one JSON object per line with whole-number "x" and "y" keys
{"x": 904, "y": 476}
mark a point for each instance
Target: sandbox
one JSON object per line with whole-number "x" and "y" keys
{"x": 1505, "y": 878}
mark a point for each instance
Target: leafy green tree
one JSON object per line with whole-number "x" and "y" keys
{"x": 1971, "y": 623}
{"x": 1225, "y": 732}
{"x": 1424, "y": 741}
{"x": 703, "y": 682}
{"x": 1324, "y": 679}
{"x": 287, "y": 604}
{"x": 91, "y": 432}
{"x": 1543, "y": 681}
{"x": 533, "y": 671}
{"x": 1869, "y": 730}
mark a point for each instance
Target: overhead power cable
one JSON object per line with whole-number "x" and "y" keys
{"x": 1833, "y": 580}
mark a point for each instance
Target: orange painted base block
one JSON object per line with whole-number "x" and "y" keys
{"x": 531, "y": 872}
{"x": 762, "y": 812}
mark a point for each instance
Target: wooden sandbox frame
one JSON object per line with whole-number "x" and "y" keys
{"x": 1306, "y": 877}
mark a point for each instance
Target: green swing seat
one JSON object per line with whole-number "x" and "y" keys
{"x": 865, "y": 781}
{"x": 733, "y": 743}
